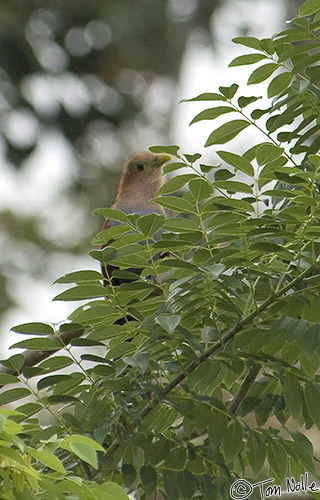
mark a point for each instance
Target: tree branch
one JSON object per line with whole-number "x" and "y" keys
{"x": 32, "y": 358}
{"x": 217, "y": 347}
{"x": 244, "y": 388}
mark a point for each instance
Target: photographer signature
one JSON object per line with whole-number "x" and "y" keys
{"x": 242, "y": 489}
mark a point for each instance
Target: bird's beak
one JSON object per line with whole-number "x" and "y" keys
{"x": 161, "y": 159}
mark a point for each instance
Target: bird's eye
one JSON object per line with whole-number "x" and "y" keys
{"x": 139, "y": 166}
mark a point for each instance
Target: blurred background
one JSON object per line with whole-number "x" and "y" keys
{"x": 82, "y": 86}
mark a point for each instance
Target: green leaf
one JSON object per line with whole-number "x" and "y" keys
{"x": 79, "y": 277}
{"x": 233, "y": 186}
{"x": 214, "y": 270}
{"x": 108, "y": 491}
{"x": 207, "y": 168}
{"x": 200, "y": 189}
{"x": 192, "y": 158}
{"x": 75, "y": 485}
{"x": 86, "y": 342}
{"x": 185, "y": 484}
{"x": 211, "y": 113}
{"x": 51, "y": 380}
{"x": 84, "y": 447}
{"x": 107, "y": 235}
{"x": 256, "y": 114}
{"x": 245, "y": 101}
{"x": 160, "y": 450}
{"x": 171, "y": 150}
{"x": 2, "y": 422}
{"x": 278, "y": 459}
{"x": 217, "y": 428}
{"x": 312, "y": 397}
{"x": 150, "y": 224}
{"x": 94, "y": 314}
{"x": 223, "y": 174}
{"x": 8, "y": 379}
{"x": 175, "y": 184}
{"x": 169, "y": 322}
{"x": 14, "y": 363}
{"x": 160, "y": 419}
{"x": 309, "y": 7}
{"x": 247, "y": 41}
{"x": 176, "y": 459}
{"x": 206, "y": 378}
{"x": 293, "y": 395}
{"x": 120, "y": 350}
{"x": 267, "y": 153}
{"x": 171, "y": 167}
{"x": 13, "y": 395}
{"x": 227, "y": 203}
{"x": 297, "y": 49}
{"x": 246, "y": 59}
{"x": 305, "y": 61}
{"x": 82, "y": 292}
{"x": 169, "y": 479}
{"x": 56, "y": 363}
{"x": 226, "y": 132}
{"x": 11, "y": 427}
{"x": 85, "y": 453}
{"x": 30, "y": 408}
{"x": 48, "y": 459}
{"x": 140, "y": 360}
{"x": 61, "y": 398}
{"x": 182, "y": 264}
{"x": 38, "y": 344}
{"x": 25, "y": 495}
{"x": 302, "y": 440}
{"x": 232, "y": 442}
{"x": 112, "y": 214}
{"x": 229, "y": 92}
{"x": 279, "y": 84}
{"x": 148, "y": 477}
{"x": 180, "y": 225}
{"x": 267, "y": 246}
{"x": 33, "y": 329}
{"x": 129, "y": 474}
{"x": 79, "y": 439}
{"x": 262, "y": 73}
{"x": 256, "y": 453}
{"x": 236, "y": 161}
{"x": 12, "y": 454}
{"x": 301, "y": 456}
{"x": 176, "y": 204}
{"x": 207, "y": 96}
{"x": 105, "y": 255}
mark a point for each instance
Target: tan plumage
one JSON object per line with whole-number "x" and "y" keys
{"x": 141, "y": 179}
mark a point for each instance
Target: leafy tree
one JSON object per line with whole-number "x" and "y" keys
{"x": 220, "y": 376}
{"x": 80, "y": 75}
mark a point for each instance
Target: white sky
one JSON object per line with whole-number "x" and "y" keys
{"x": 203, "y": 70}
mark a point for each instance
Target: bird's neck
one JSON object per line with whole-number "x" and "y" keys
{"x": 142, "y": 191}
{"x": 139, "y": 194}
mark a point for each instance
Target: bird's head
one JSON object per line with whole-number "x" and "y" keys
{"x": 143, "y": 174}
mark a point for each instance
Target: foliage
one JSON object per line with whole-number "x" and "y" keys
{"x": 79, "y": 87}
{"x": 20, "y": 478}
{"x": 203, "y": 370}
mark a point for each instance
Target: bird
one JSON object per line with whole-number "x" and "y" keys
{"x": 141, "y": 179}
